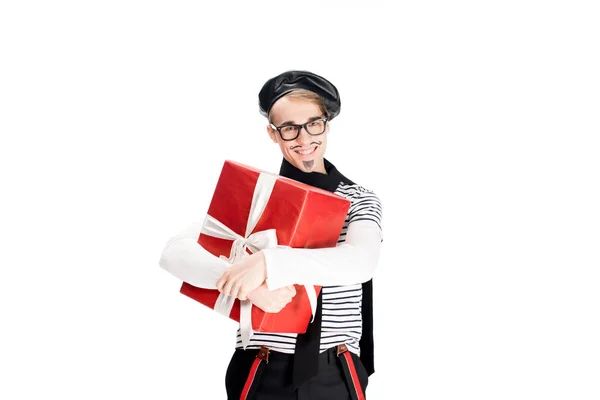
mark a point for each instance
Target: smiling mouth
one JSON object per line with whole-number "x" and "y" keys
{"x": 307, "y": 151}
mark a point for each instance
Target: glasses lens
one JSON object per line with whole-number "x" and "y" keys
{"x": 316, "y": 127}
{"x": 288, "y": 132}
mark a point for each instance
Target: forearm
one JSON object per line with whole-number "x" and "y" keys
{"x": 349, "y": 263}
{"x": 187, "y": 260}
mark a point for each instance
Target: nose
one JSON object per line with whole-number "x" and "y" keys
{"x": 303, "y": 137}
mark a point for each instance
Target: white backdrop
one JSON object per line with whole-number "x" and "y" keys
{"x": 477, "y": 125}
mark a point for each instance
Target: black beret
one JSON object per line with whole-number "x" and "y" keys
{"x": 289, "y": 81}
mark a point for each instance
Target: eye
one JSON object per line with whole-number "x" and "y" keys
{"x": 288, "y": 129}
{"x": 314, "y": 123}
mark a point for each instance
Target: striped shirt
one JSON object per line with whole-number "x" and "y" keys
{"x": 342, "y": 319}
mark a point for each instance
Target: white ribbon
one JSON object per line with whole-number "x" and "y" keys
{"x": 254, "y": 242}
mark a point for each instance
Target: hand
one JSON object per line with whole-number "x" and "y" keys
{"x": 271, "y": 301}
{"x": 243, "y": 276}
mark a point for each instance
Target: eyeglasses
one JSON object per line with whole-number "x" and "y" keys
{"x": 290, "y": 132}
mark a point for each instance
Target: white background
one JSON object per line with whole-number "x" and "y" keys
{"x": 475, "y": 122}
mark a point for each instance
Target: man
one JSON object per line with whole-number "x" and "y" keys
{"x": 334, "y": 358}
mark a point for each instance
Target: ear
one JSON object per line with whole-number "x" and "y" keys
{"x": 272, "y": 133}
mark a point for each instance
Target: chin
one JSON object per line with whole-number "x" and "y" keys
{"x": 302, "y": 165}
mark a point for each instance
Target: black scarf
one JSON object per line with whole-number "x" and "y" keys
{"x": 307, "y": 345}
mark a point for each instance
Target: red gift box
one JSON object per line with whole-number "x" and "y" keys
{"x": 249, "y": 203}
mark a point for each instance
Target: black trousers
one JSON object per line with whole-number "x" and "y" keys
{"x": 275, "y": 382}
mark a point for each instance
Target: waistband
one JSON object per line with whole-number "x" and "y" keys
{"x": 328, "y": 356}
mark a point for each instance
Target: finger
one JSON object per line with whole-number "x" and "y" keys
{"x": 287, "y": 291}
{"x": 234, "y": 290}
{"x": 228, "y": 287}
{"x": 242, "y": 294}
{"x": 221, "y": 282}
{"x": 246, "y": 289}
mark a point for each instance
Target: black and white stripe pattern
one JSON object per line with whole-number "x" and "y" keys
{"x": 342, "y": 320}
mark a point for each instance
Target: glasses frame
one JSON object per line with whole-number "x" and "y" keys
{"x": 299, "y": 128}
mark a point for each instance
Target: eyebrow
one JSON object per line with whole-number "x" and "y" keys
{"x": 292, "y": 122}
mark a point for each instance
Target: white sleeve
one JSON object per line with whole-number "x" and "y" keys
{"x": 190, "y": 262}
{"x": 351, "y": 262}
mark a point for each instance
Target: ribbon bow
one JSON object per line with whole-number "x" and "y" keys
{"x": 252, "y": 241}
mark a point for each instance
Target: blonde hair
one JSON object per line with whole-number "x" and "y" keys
{"x": 307, "y": 95}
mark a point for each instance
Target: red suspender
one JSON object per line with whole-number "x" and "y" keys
{"x": 350, "y": 372}
{"x": 253, "y": 381}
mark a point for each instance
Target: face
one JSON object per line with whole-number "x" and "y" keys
{"x": 306, "y": 152}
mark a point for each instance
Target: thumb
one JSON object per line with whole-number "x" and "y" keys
{"x": 292, "y": 289}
